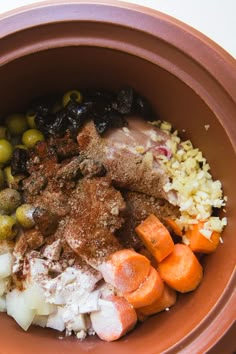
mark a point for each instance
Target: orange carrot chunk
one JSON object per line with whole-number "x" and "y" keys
{"x": 199, "y": 242}
{"x": 181, "y": 270}
{"x": 125, "y": 270}
{"x": 149, "y": 291}
{"x": 145, "y": 252}
{"x": 166, "y": 300}
{"x": 155, "y": 237}
{"x": 174, "y": 226}
{"x": 115, "y": 318}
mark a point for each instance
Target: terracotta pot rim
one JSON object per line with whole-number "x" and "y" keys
{"x": 206, "y": 54}
{"x": 22, "y": 12}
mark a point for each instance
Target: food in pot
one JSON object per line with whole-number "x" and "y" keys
{"x": 105, "y": 213}
{"x": 6, "y": 151}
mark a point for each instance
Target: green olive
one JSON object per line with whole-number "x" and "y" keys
{"x": 30, "y": 116}
{"x": 74, "y": 95}
{"x": 6, "y": 150}
{"x": 31, "y": 137}
{"x": 4, "y": 134}
{"x": 16, "y": 123}
{"x": 10, "y": 199}
{"x": 8, "y": 227}
{"x": 12, "y": 181}
{"x": 24, "y": 215}
{"x": 2, "y": 179}
{"x": 8, "y": 176}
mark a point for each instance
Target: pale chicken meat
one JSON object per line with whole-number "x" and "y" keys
{"x": 129, "y": 154}
{"x": 114, "y": 319}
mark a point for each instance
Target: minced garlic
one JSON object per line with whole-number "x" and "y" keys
{"x": 166, "y": 126}
{"x": 140, "y": 149}
{"x": 206, "y": 233}
{"x": 197, "y": 192}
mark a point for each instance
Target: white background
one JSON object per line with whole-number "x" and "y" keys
{"x": 215, "y": 18}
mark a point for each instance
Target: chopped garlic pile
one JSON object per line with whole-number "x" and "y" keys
{"x": 197, "y": 192}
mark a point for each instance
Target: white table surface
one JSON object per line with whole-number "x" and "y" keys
{"x": 214, "y": 18}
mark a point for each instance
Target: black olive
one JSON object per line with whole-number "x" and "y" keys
{"x": 46, "y": 121}
{"x": 111, "y": 119}
{"x": 100, "y": 109}
{"x": 42, "y": 105}
{"x": 77, "y": 114}
{"x": 59, "y": 125}
{"x": 102, "y": 123}
{"x": 116, "y": 119}
{"x": 142, "y": 107}
{"x": 124, "y": 101}
{"x": 19, "y": 162}
{"x": 43, "y": 123}
{"x": 107, "y": 109}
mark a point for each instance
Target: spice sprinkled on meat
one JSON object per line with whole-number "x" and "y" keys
{"x": 82, "y": 210}
{"x": 128, "y": 155}
{"x": 138, "y": 207}
{"x": 96, "y": 213}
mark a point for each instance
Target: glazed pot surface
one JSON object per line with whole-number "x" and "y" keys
{"x": 191, "y": 82}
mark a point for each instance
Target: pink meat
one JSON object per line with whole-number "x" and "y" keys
{"x": 131, "y": 155}
{"x": 115, "y": 318}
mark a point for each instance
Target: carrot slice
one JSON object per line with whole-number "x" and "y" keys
{"x": 115, "y": 318}
{"x": 174, "y": 226}
{"x": 166, "y": 300}
{"x": 198, "y": 242}
{"x": 145, "y": 252}
{"x": 155, "y": 237}
{"x": 125, "y": 270}
{"x": 181, "y": 270}
{"x": 149, "y": 291}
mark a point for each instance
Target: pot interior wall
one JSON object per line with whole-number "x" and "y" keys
{"x": 57, "y": 70}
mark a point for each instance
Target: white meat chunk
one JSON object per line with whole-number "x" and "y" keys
{"x": 56, "y": 321}
{"x": 53, "y": 251}
{"x": 115, "y": 318}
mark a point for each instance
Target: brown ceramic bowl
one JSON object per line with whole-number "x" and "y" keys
{"x": 190, "y": 81}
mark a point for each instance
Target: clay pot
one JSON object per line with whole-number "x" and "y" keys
{"x": 190, "y": 81}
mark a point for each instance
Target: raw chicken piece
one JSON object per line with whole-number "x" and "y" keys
{"x": 56, "y": 321}
{"x": 53, "y": 250}
{"x": 130, "y": 155}
{"x": 28, "y": 240}
{"x": 96, "y": 212}
{"x": 115, "y": 318}
{"x": 70, "y": 286}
